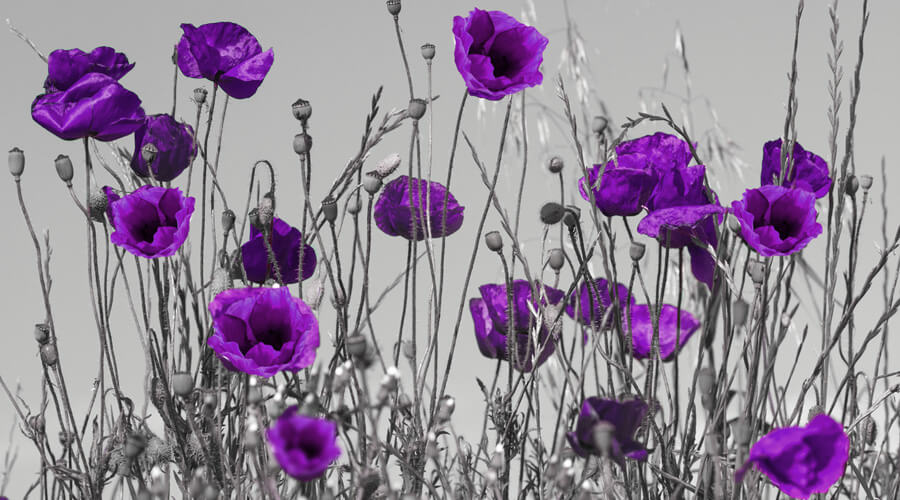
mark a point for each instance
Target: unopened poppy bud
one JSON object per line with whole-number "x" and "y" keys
{"x": 557, "y": 259}
{"x": 741, "y": 432}
{"x": 228, "y": 220}
{"x": 49, "y": 354}
{"x": 340, "y": 379}
{"x": 38, "y": 424}
{"x": 497, "y": 459}
{"x": 598, "y": 125}
{"x": 149, "y": 152}
{"x": 869, "y": 430}
{"x": 757, "y": 272}
{"x": 388, "y": 165}
{"x": 636, "y": 252}
{"x": 221, "y": 281}
{"x": 200, "y": 95}
{"x": 16, "y": 162}
{"x": 371, "y": 183}
{"x": 865, "y": 182}
{"x": 572, "y": 216}
{"x": 815, "y": 411}
{"x": 97, "y": 203}
{"x": 428, "y": 51}
{"x": 494, "y": 241}
{"x": 555, "y": 165}
{"x": 403, "y": 402}
{"x": 356, "y": 345}
{"x": 445, "y": 409}
{"x": 182, "y": 384}
{"x": 42, "y": 333}
{"x": 734, "y": 224}
{"x": 302, "y": 143}
{"x": 64, "y": 169}
{"x": 266, "y": 211}
{"x": 851, "y": 185}
{"x": 276, "y": 406}
{"x": 353, "y": 205}
{"x": 431, "y": 449}
{"x": 739, "y": 312}
{"x": 134, "y": 445}
{"x": 393, "y": 7}
{"x": 551, "y": 213}
{"x": 254, "y": 394}
{"x": 301, "y": 109}
{"x": 706, "y": 379}
{"x": 65, "y": 438}
{"x": 416, "y": 108}
{"x": 408, "y": 351}
{"x": 329, "y": 209}
{"x": 338, "y": 299}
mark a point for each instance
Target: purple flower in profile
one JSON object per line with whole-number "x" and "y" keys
{"x": 224, "y": 53}
{"x": 593, "y": 303}
{"x": 497, "y": 55}
{"x": 303, "y": 446}
{"x": 262, "y": 331}
{"x": 661, "y": 151}
{"x": 801, "y": 461}
{"x": 606, "y": 427}
{"x": 625, "y": 187}
{"x": 776, "y": 220}
{"x": 95, "y": 106}
{"x": 65, "y": 67}
{"x": 681, "y": 187}
{"x": 285, "y": 241}
{"x": 491, "y": 317}
{"x": 151, "y": 221}
{"x": 174, "y": 143}
{"x": 808, "y": 171}
{"x": 642, "y": 330}
{"x": 392, "y": 210}
{"x": 687, "y": 226}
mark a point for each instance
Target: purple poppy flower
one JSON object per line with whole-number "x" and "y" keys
{"x": 174, "y": 143}
{"x": 95, "y": 106}
{"x": 303, "y": 446}
{"x": 607, "y": 427}
{"x": 392, "y": 212}
{"x": 808, "y": 171}
{"x": 625, "y": 188}
{"x": 681, "y": 187}
{"x": 150, "y": 222}
{"x": 490, "y": 314}
{"x": 224, "y": 53}
{"x": 642, "y": 330}
{"x": 776, "y": 220}
{"x": 594, "y": 302}
{"x": 497, "y": 55}
{"x": 662, "y": 151}
{"x": 285, "y": 242}
{"x": 678, "y": 227}
{"x": 801, "y": 461}
{"x": 65, "y": 67}
{"x": 262, "y": 331}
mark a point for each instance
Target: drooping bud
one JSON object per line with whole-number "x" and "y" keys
{"x": 865, "y": 182}
{"x": 851, "y": 185}
{"x": 636, "y": 252}
{"x": 557, "y": 259}
{"x": 494, "y": 241}
{"x": 97, "y": 204}
{"x": 757, "y": 272}
{"x": 572, "y": 216}
{"x": 417, "y": 108}
{"x": 42, "y": 333}
{"x": 371, "y": 183}
{"x": 16, "y": 162}
{"x": 555, "y": 165}
{"x": 552, "y": 212}
{"x": 49, "y": 354}
{"x": 388, "y": 165}
{"x": 182, "y": 384}
{"x": 428, "y": 51}
{"x": 353, "y": 205}
{"x": 739, "y": 312}
{"x": 302, "y": 110}
{"x": 200, "y": 95}
{"x": 302, "y": 143}
{"x": 329, "y": 209}
{"x": 227, "y": 220}
{"x": 598, "y": 125}
{"x": 64, "y": 169}
{"x": 356, "y": 345}
{"x": 393, "y": 7}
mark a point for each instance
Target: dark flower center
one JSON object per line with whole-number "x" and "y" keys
{"x": 275, "y": 336}
{"x": 147, "y": 231}
{"x": 309, "y": 445}
{"x": 786, "y": 226}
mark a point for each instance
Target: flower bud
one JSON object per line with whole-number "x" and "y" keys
{"x": 572, "y": 216}
{"x": 371, "y": 183}
{"x": 428, "y": 51}
{"x": 148, "y": 153}
{"x": 266, "y": 211}
{"x": 353, "y": 205}
{"x": 37, "y": 423}
{"x": 851, "y": 185}
{"x": 255, "y": 221}
{"x": 254, "y": 394}
{"x": 636, "y": 252}
{"x": 555, "y": 165}
{"x": 276, "y": 406}
{"x": 302, "y": 143}
{"x": 49, "y": 355}
{"x": 221, "y": 281}
{"x": 301, "y": 109}
{"x": 557, "y": 259}
{"x": 598, "y": 125}
{"x": 329, "y": 209}
{"x": 97, "y": 204}
{"x": 356, "y": 345}
{"x": 869, "y": 430}
{"x": 393, "y": 7}
{"x": 706, "y": 379}
{"x": 865, "y": 182}
{"x": 403, "y": 402}
{"x": 494, "y": 241}
{"x": 815, "y": 411}
{"x": 713, "y": 447}
{"x": 734, "y": 224}
{"x": 757, "y": 272}
{"x": 200, "y": 95}
{"x": 42, "y": 333}
{"x": 741, "y": 432}
{"x": 183, "y": 384}
{"x": 739, "y": 312}
{"x": 64, "y": 169}
{"x": 16, "y": 162}
{"x": 551, "y": 213}
{"x": 445, "y": 409}
{"x": 340, "y": 379}
{"x": 408, "y": 351}
{"x": 338, "y": 298}
{"x": 388, "y": 165}
{"x": 416, "y": 107}
{"x": 135, "y": 444}
{"x": 227, "y": 220}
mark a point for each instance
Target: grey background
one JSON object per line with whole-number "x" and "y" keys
{"x": 335, "y": 54}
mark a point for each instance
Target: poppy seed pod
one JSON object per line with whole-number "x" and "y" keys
{"x": 393, "y": 7}
{"x": 356, "y": 345}
{"x": 555, "y": 165}
{"x": 42, "y": 333}
{"x": 200, "y": 95}
{"x": 757, "y": 272}
{"x": 266, "y": 211}
{"x": 428, "y": 51}
{"x": 182, "y": 384}
{"x": 598, "y": 125}
{"x": 865, "y": 182}
{"x": 97, "y": 204}
{"x": 329, "y": 209}
{"x": 64, "y": 168}
{"x": 302, "y": 143}
{"x": 851, "y": 185}
{"x": 416, "y": 108}
{"x": 557, "y": 259}
{"x": 572, "y": 216}
{"x": 227, "y": 220}
{"x": 552, "y": 212}
{"x": 255, "y": 220}
{"x": 16, "y": 162}
{"x": 388, "y": 165}
{"x": 636, "y": 252}
{"x": 49, "y": 354}
{"x": 353, "y": 205}
{"x": 301, "y": 109}
{"x": 148, "y": 153}
{"x": 494, "y": 241}
{"x": 371, "y": 183}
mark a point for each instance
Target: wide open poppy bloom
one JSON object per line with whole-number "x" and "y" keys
{"x": 224, "y": 53}
{"x": 303, "y": 446}
{"x": 151, "y": 221}
{"x": 392, "y": 210}
{"x": 776, "y": 220}
{"x": 497, "y": 55}
{"x": 174, "y": 143}
{"x": 808, "y": 171}
{"x": 606, "y": 427}
{"x": 801, "y": 461}
{"x": 262, "y": 331}
{"x": 285, "y": 241}
{"x": 65, "y": 67}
